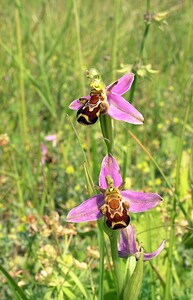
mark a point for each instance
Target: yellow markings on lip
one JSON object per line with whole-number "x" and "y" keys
{"x": 89, "y": 113}
{"x": 85, "y": 117}
{"x": 116, "y": 224}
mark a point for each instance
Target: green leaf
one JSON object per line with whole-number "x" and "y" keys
{"x": 89, "y": 181}
{"x": 74, "y": 277}
{"x": 78, "y": 283}
{"x": 17, "y": 291}
{"x": 187, "y": 240}
{"x": 110, "y": 295}
{"x": 68, "y": 293}
{"x": 48, "y": 294}
{"x": 184, "y": 174}
{"x": 130, "y": 267}
{"x": 132, "y": 287}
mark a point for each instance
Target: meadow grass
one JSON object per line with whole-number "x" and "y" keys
{"x": 46, "y": 46}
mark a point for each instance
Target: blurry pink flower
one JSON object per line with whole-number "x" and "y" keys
{"x": 44, "y": 151}
{"x": 46, "y": 157}
{"x": 51, "y": 138}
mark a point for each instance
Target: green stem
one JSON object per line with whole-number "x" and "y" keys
{"x": 145, "y": 33}
{"x": 141, "y": 48}
{"x": 77, "y": 24}
{"x": 42, "y": 64}
{"x": 107, "y": 131}
{"x": 146, "y": 29}
{"x": 115, "y": 34}
{"x": 118, "y": 268}
{"x": 132, "y": 91}
{"x": 17, "y": 177}
{"x": 152, "y": 159}
{"x": 22, "y": 106}
{"x": 148, "y": 5}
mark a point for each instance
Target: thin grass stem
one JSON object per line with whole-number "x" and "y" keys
{"x": 22, "y": 102}
{"x": 42, "y": 62}
{"x": 77, "y": 24}
{"x": 175, "y": 202}
{"x": 17, "y": 291}
{"x": 115, "y": 38}
{"x": 141, "y": 48}
{"x": 152, "y": 159}
{"x": 27, "y": 73}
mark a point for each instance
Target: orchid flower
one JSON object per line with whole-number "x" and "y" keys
{"x": 45, "y": 157}
{"x": 51, "y": 138}
{"x": 44, "y": 152}
{"x": 128, "y": 246}
{"x": 114, "y": 203}
{"x": 106, "y": 100}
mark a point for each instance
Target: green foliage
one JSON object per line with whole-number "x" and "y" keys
{"x": 133, "y": 282}
{"x": 17, "y": 291}
{"x": 46, "y": 46}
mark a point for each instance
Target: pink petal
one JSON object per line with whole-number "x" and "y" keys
{"x": 51, "y": 137}
{"x": 89, "y": 210}
{"x": 75, "y": 105}
{"x": 127, "y": 244}
{"x": 110, "y": 167}
{"x": 120, "y": 109}
{"x": 139, "y": 202}
{"x": 123, "y": 85}
{"x": 149, "y": 256}
{"x": 44, "y": 149}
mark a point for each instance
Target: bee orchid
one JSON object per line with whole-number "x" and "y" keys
{"x": 114, "y": 203}
{"x": 106, "y": 100}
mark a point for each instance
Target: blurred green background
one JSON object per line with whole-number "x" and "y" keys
{"x": 46, "y": 47}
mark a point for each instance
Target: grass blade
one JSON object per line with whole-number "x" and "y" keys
{"x": 17, "y": 291}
